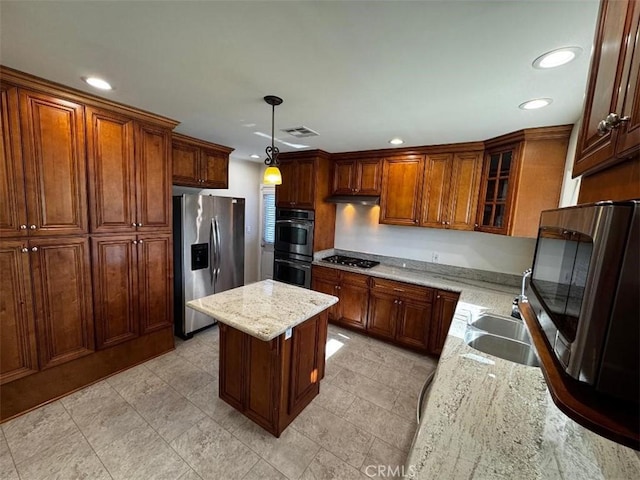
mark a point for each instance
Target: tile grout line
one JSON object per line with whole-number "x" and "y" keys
{"x": 15, "y": 465}
{"x": 87, "y": 440}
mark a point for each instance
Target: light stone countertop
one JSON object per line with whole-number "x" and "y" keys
{"x": 487, "y": 418}
{"x": 264, "y": 309}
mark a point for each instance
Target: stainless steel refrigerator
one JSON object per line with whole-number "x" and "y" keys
{"x": 208, "y": 244}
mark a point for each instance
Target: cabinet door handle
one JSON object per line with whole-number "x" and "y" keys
{"x": 443, "y": 222}
{"x": 612, "y": 121}
{"x": 24, "y": 249}
{"x": 134, "y": 224}
{"x": 140, "y": 224}
{"x": 140, "y": 241}
{"x": 135, "y": 242}
{"x": 447, "y": 223}
{"x": 34, "y": 249}
{"x": 32, "y": 227}
{"x": 23, "y": 227}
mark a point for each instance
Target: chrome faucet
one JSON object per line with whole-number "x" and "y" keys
{"x": 525, "y": 274}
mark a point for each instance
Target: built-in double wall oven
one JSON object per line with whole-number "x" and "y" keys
{"x": 293, "y": 246}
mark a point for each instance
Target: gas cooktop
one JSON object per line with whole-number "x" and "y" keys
{"x": 350, "y": 261}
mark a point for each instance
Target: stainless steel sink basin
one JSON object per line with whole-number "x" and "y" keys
{"x": 503, "y": 327}
{"x": 502, "y": 337}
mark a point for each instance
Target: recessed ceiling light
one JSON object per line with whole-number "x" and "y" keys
{"x": 254, "y": 156}
{"x": 98, "y": 83}
{"x": 396, "y": 141}
{"x": 557, "y": 57}
{"x": 536, "y": 103}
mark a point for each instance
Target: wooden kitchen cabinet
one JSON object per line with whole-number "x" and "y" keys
{"x": 383, "y": 311}
{"x": 51, "y": 138}
{"x": 352, "y": 289}
{"x": 402, "y": 183}
{"x": 401, "y": 312}
{"x": 197, "y": 163}
{"x": 271, "y": 382}
{"x": 18, "y": 352}
{"x": 298, "y": 184}
{"x": 443, "y": 310}
{"x": 133, "y": 286}
{"x": 69, "y": 159}
{"x": 13, "y": 206}
{"x": 357, "y": 177}
{"x": 129, "y": 174}
{"x": 353, "y": 292}
{"x": 613, "y": 88}
{"x": 305, "y": 185}
{"x": 522, "y": 176}
{"x": 61, "y": 282}
{"x": 450, "y": 191}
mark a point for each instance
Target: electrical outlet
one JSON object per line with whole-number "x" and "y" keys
{"x": 248, "y": 228}
{"x": 435, "y": 257}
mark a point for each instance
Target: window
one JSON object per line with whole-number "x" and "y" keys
{"x": 268, "y": 216}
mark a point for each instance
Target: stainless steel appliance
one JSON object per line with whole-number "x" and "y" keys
{"x": 292, "y": 268}
{"x": 293, "y": 246}
{"x": 585, "y": 292}
{"x": 294, "y": 231}
{"x": 208, "y": 243}
{"x": 350, "y": 261}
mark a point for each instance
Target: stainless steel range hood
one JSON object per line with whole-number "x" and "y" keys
{"x": 359, "y": 200}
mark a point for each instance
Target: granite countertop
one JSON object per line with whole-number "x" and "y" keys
{"x": 264, "y": 309}
{"x": 488, "y": 418}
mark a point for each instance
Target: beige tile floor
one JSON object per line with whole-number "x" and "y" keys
{"x": 163, "y": 420}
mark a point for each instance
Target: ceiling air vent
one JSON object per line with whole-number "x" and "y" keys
{"x": 300, "y": 132}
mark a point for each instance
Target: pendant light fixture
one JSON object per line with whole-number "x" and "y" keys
{"x": 272, "y": 175}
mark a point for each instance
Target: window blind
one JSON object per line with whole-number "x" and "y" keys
{"x": 269, "y": 218}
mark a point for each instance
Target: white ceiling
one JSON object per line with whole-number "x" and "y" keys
{"x": 357, "y": 72}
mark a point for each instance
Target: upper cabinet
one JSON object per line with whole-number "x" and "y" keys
{"x": 450, "y": 192}
{"x": 43, "y": 177}
{"x": 305, "y": 180}
{"x": 197, "y": 163}
{"x": 522, "y": 175}
{"x": 610, "y": 129}
{"x": 129, "y": 173}
{"x": 402, "y": 183}
{"x": 362, "y": 176}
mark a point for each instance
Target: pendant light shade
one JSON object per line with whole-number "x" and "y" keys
{"x": 272, "y": 175}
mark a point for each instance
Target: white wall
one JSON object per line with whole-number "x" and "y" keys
{"x": 244, "y": 181}
{"x": 570, "y": 186}
{"x": 357, "y": 229}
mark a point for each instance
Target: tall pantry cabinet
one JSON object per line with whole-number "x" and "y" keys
{"x": 85, "y": 239}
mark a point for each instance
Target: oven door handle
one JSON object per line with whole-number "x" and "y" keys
{"x": 296, "y": 264}
{"x": 303, "y": 223}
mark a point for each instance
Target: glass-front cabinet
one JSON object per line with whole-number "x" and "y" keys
{"x": 496, "y": 191}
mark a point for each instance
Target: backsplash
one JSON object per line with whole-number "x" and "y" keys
{"x": 421, "y": 266}
{"x": 357, "y": 229}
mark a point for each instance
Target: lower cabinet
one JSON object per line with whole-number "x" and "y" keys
{"x": 409, "y": 315}
{"x": 353, "y": 291}
{"x": 46, "y": 315}
{"x": 400, "y": 312}
{"x": 444, "y": 308}
{"x": 132, "y": 276}
{"x": 271, "y": 382}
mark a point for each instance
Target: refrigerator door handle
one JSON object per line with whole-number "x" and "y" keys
{"x": 212, "y": 247}
{"x": 218, "y": 252}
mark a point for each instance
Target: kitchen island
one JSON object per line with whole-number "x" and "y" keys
{"x": 272, "y": 348}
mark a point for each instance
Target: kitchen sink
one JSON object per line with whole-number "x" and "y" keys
{"x": 502, "y": 337}
{"x": 502, "y": 327}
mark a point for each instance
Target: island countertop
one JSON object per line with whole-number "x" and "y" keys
{"x": 264, "y": 309}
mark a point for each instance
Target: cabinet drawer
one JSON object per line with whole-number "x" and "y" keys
{"x": 326, "y": 273}
{"x": 355, "y": 279}
{"x": 402, "y": 289}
